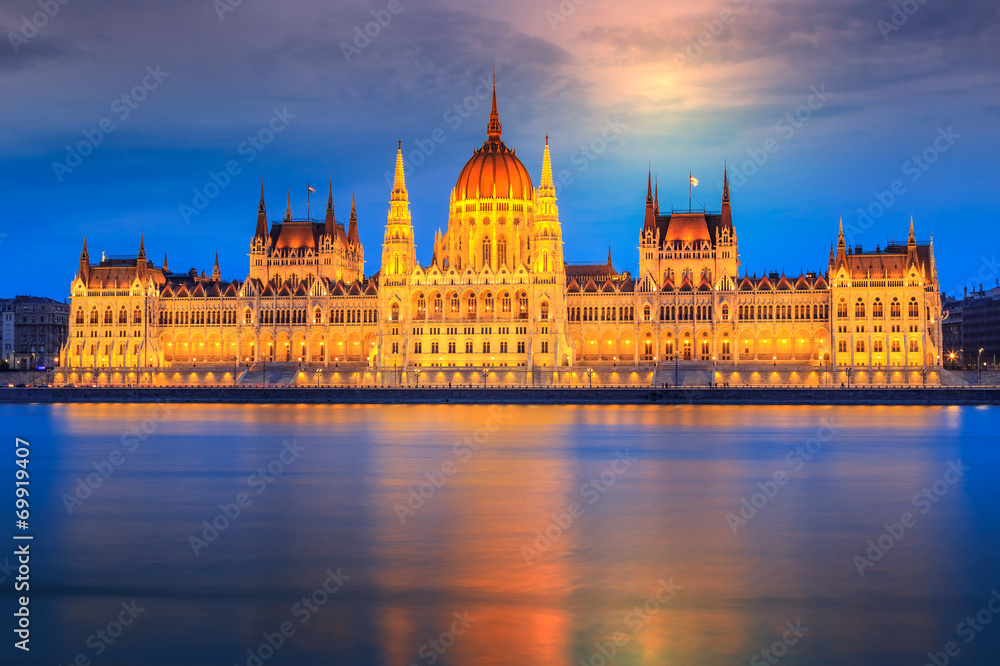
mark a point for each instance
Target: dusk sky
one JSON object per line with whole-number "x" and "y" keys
{"x": 820, "y": 108}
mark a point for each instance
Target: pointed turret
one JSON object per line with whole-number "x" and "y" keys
{"x": 547, "y": 186}
{"x": 141, "y": 266}
{"x": 352, "y": 230}
{"x": 649, "y": 224}
{"x": 656, "y": 198}
{"x": 330, "y": 228}
{"x": 288, "y": 209}
{"x": 261, "y": 231}
{"x": 912, "y": 240}
{"x": 84, "y": 271}
{"x": 727, "y": 213}
{"x": 216, "y": 273}
{"x": 609, "y": 254}
{"x": 494, "y": 129}
{"x": 165, "y": 268}
{"x": 399, "y": 181}
{"x": 142, "y": 248}
{"x": 841, "y": 245}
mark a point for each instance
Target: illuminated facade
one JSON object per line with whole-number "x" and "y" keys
{"x": 498, "y": 298}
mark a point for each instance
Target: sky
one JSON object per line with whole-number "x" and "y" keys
{"x": 161, "y": 119}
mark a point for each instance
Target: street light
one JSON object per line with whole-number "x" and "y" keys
{"x": 485, "y": 373}
{"x": 979, "y": 366}
{"x": 416, "y": 374}
{"x": 590, "y": 376}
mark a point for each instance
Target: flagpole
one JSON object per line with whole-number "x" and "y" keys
{"x": 308, "y": 195}
{"x": 689, "y": 191}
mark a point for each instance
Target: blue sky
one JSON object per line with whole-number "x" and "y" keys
{"x": 821, "y": 109}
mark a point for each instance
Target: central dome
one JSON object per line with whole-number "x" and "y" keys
{"x": 494, "y": 166}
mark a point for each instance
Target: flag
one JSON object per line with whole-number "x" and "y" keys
{"x": 694, "y": 181}
{"x": 312, "y": 189}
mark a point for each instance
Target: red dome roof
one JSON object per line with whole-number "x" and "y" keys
{"x": 494, "y": 165}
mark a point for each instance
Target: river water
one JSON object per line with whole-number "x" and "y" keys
{"x": 454, "y": 534}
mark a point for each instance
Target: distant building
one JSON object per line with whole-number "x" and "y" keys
{"x": 40, "y": 328}
{"x": 972, "y": 323}
{"x": 7, "y": 331}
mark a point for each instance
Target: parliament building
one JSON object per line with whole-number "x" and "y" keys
{"x": 499, "y": 304}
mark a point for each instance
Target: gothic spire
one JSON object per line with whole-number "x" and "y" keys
{"x": 330, "y": 228}
{"x": 609, "y": 254}
{"x": 261, "y": 231}
{"x": 216, "y": 273}
{"x": 165, "y": 269}
{"x": 399, "y": 182}
{"x": 656, "y": 198}
{"x": 288, "y": 208}
{"x": 547, "y": 186}
{"x": 649, "y": 223}
{"x": 912, "y": 240}
{"x": 725, "y": 185}
{"x": 352, "y": 231}
{"x": 84, "y": 254}
{"x": 142, "y": 248}
{"x": 493, "y": 130}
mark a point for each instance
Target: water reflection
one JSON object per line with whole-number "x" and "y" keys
{"x": 443, "y": 509}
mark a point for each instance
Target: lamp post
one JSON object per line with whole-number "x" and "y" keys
{"x": 979, "y": 366}
{"x": 590, "y": 376}
{"x": 416, "y": 375}
{"x": 850, "y": 370}
{"x": 485, "y": 373}
{"x": 715, "y": 380}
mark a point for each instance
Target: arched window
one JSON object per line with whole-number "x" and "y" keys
{"x": 79, "y": 315}
{"x": 136, "y": 316}
{"x": 859, "y": 309}
{"x": 454, "y": 303}
{"x": 502, "y": 251}
{"x": 877, "y": 310}
{"x": 725, "y": 312}
{"x": 842, "y": 309}
{"x": 394, "y": 312}
{"x": 505, "y": 303}
{"x": 318, "y": 316}
{"x": 914, "y": 307}
{"x": 896, "y": 347}
{"x": 489, "y": 302}
{"x": 545, "y": 310}
{"x": 860, "y": 346}
{"x": 914, "y": 346}
{"x": 487, "y": 251}
{"x": 438, "y": 304}
{"x": 645, "y": 313}
{"x": 247, "y": 316}
{"x": 894, "y": 309}
{"x": 472, "y": 304}
{"x": 545, "y": 261}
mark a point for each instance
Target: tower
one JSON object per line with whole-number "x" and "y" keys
{"x": 398, "y": 250}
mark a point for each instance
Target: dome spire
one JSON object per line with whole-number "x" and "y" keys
{"x": 493, "y": 130}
